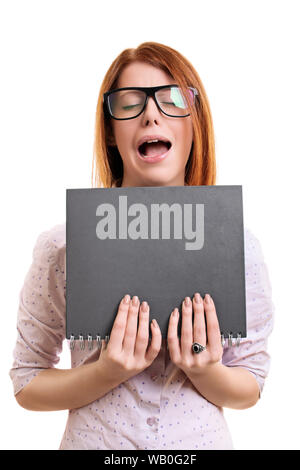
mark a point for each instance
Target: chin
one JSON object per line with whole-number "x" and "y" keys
{"x": 161, "y": 181}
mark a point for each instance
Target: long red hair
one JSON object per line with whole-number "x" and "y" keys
{"x": 201, "y": 165}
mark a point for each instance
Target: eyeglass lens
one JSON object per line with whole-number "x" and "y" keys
{"x": 126, "y": 104}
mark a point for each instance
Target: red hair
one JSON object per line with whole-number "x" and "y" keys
{"x": 201, "y": 165}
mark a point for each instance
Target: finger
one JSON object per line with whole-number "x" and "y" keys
{"x": 186, "y": 327}
{"x": 199, "y": 320}
{"x": 142, "y": 338}
{"x": 119, "y": 326}
{"x": 155, "y": 345}
{"x": 173, "y": 340}
{"x": 130, "y": 332}
{"x": 212, "y": 322}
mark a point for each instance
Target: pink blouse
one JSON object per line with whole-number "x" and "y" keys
{"x": 157, "y": 409}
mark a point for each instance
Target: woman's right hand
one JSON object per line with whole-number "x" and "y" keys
{"x": 126, "y": 354}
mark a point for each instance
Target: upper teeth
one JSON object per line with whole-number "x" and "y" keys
{"x": 150, "y": 141}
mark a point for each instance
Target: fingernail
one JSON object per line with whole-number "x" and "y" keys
{"x": 187, "y": 301}
{"x": 135, "y": 300}
{"x": 144, "y": 306}
{"x": 198, "y": 298}
{"x": 154, "y": 322}
{"x": 207, "y": 298}
{"x": 126, "y": 299}
{"x": 175, "y": 312}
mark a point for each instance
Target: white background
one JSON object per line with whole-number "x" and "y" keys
{"x": 54, "y": 55}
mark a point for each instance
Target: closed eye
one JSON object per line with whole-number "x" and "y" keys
{"x": 130, "y": 106}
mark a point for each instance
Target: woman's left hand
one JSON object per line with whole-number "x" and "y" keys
{"x": 181, "y": 353}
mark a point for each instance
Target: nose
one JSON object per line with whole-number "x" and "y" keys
{"x": 151, "y": 112}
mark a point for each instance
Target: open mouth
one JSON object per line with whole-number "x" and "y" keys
{"x": 154, "y": 148}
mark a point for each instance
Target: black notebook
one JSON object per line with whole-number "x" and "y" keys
{"x": 159, "y": 243}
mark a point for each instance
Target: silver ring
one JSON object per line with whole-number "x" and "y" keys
{"x": 90, "y": 342}
{"x": 72, "y": 342}
{"x": 81, "y": 342}
{"x": 198, "y": 348}
{"x": 98, "y": 338}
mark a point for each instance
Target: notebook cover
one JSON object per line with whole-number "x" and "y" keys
{"x": 159, "y": 243}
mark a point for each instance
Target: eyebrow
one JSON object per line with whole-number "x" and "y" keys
{"x": 141, "y": 86}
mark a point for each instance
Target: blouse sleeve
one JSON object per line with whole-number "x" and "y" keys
{"x": 252, "y": 352}
{"x": 41, "y": 313}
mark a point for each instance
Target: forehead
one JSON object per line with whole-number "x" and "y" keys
{"x": 141, "y": 74}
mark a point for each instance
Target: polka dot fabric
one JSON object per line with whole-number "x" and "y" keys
{"x": 252, "y": 353}
{"x": 158, "y": 408}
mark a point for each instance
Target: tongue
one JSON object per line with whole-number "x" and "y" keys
{"x": 155, "y": 149}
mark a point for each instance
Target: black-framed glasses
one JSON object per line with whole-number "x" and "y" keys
{"x": 130, "y": 102}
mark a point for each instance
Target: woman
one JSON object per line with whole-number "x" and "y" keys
{"x": 134, "y": 395}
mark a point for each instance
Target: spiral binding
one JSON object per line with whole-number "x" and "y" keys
{"x": 90, "y": 341}
{"x": 230, "y": 339}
